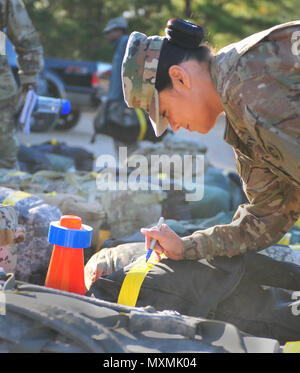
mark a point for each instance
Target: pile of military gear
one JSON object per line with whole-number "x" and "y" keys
{"x": 56, "y": 156}
{"x": 128, "y": 210}
{"x": 43, "y": 197}
{"x": 136, "y": 208}
{"x": 188, "y": 326}
{"x": 54, "y": 193}
{"x": 124, "y": 209}
{"x": 221, "y": 190}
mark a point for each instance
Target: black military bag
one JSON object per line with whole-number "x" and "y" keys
{"x": 38, "y": 319}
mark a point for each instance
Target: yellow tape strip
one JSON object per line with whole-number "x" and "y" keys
{"x": 286, "y": 239}
{"x": 143, "y": 123}
{"x": 13, "y": 198}
{"x": 295, "y": 246}
{"x": 133, "y": 281}
{"x": 297, "y": 223}
{"x": 292, "y": 347}
{"x": 17, "y": 173}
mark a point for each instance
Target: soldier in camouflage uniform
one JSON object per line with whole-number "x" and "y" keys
{"x": 256, "y": 82}
{"x": 10, "y": 234}
{"x": 21, "y": 32}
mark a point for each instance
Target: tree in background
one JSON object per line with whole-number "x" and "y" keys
{"x": 74, "y": 28}
{"x": 230, "y": 21}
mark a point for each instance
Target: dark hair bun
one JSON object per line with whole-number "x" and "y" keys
{"x": 184, "y": 33}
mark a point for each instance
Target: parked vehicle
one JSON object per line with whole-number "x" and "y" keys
{"x": 83, "y": 83}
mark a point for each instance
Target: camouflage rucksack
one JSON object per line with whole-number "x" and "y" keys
{"x": 11, "y": 233}
{"x": 34, "y": 215}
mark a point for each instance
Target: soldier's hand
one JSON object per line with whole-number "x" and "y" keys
{"x": 27, "y": 86}
{"x": 168, "y": 242}
{"x": 21, "y": 96}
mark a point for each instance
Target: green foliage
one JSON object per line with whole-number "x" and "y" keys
{"x": 74, "y": 28}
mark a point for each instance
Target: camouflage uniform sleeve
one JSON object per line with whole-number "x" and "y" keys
{"x": 273, "y": 208}
{"x": 24, "y": 36}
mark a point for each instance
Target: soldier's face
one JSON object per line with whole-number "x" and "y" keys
{"x": 189, "y": 103}
{"x": 183, "y": 111}
{"x": 114, "y": 35}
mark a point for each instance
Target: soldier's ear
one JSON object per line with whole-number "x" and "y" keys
{"x": 180, "y": 78}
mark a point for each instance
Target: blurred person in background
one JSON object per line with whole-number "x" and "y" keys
{"x": 115, "y": 118}
{"x": 116, "y": 33}
{"x": 14, "y": 20}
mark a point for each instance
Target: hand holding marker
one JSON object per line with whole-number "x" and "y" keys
{"x": 153, "y": 241}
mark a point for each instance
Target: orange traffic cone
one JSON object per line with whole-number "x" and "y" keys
{"x": 66, "y": 268}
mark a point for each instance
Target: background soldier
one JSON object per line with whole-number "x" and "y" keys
{"x": 114, "y": 118}
{"x": 19, "y": 29}
{"x": 110, "y": 118}
{"x": 116, "y": 33}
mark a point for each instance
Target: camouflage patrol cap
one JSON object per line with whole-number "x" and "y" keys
{"x": 139, "y": 75}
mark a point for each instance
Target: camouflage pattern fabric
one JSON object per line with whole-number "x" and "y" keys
{"x": 109, "y": 260}
{"x": 139, "y": 74}
{"x": 258, "y": 83}
{"x": 10, "y": 234}
{"x": 283, "y": 253}
{"x": 35, "y": 251}
{"x": 8, "y": 140}
{"x": 21, "y": 32}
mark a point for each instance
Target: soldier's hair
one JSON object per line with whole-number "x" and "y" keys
{"x": 182, "y": 43}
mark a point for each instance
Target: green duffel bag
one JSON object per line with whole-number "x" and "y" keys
{"x": 214, "y": 201}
